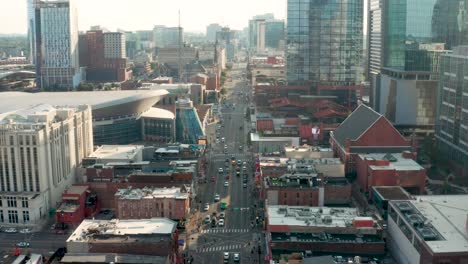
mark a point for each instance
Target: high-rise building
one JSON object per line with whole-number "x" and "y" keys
{"x": 40, "y": 148}
{"x": 31, "y": 31}
{"x": 452, "y": 109}
{"x": 56, "y": 38}
{"x": 225, "y": 38}
{"x": 211, "y": 30}
{"x": 406, "y": 40}
{"x": 324, "y": 47}
{"x": 167, "y": 36}
{"x": 261, "y": 30}
{"x": 274, "y": 33}
{"x": 114, "y": 45}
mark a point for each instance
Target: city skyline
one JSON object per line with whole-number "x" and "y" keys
{"x": 195, "y": 16}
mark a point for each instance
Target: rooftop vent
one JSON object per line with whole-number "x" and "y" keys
{"x": 403, "y": 206}
{"x": 427, "y": 233}
{"x": 415, "y": 219}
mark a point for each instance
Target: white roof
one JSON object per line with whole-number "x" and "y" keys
{"x": 118, "y": 227}
{"x": 306, "y": 216}
{"x": 257, "y": 137}
{"x": 401, "y": 164}
{"x": 154, "y": 112}
{"x": 116, "y": 152}
{"x": 448, "y": 214}
{"x": 12, "y": 101}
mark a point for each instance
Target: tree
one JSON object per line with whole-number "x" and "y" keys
{"x": 223, "y": 91}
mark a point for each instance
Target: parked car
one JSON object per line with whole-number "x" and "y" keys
{"x": 222, "y": 215}
{"x": 207, "y": 219}
{"x": 25, "y": 231}
{"x": 221, "y": 222}
{"x": 10, "y": 230}
{"x": 207, "y": 207}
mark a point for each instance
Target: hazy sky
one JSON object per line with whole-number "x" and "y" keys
{"x": 144, "y": 14}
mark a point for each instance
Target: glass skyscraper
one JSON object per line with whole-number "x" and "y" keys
{"x": 324, "y": 42}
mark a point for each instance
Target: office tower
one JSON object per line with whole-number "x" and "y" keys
{"x": 452, "y": 110}
{"x": 31, "y": 22}
{"x": 274, "y": 33}
{"x": 211, "y": 30}
{"x": 40, "y": 148}
{"x": 56, "y": 30}
{"x": 114, "y": 45}
{"x": 324, "y": 47}
{"x": 225, "y": 38}
{"x": 261, "y": 29}
{"x": 406, "y": 40}
{"x": 167, "y": 36}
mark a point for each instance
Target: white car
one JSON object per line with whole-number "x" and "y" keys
{"x": 25, "y": 231}
{"x": 220, "y": 170}
{"x": 11, "y": 230}
{"x": 226, "y": 255}
{"x": 207, "y": 219}
{"x": 217, "y": 197}
{"x": 236, "y": 257}
{"x": 207, "y": 207}
{"x": 226, "y": 184}
{"x": 221, "y": 222}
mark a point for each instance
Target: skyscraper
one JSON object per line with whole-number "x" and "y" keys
{"x": 211, "y": 31}
{"x": 324, "y": 46}
{"x": 31, "y": 22}
{"x": 406, "y": 40}
{"x": 274, "y": 33}
{"x": 56, "y": 38}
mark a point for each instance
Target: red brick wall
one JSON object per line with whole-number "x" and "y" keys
{"x": 304, "y": 197}
{"x": 154, "y": 248}
{"x": 382, "y": 133}
{"x": 149, "y": 208}
{"x": 336, "y": 194}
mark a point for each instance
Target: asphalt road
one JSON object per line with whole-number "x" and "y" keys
{"x": 238, "y": 233}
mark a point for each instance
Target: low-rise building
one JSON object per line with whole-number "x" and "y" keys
{"x": 390, "y": 169}
{"x": 153, "y": 237}
{"x": 173, "y": 203}
{"x": 305, "y": 151}
{"x": 77, "y": 203}
{"x": 429, "y": 229}
{"x": 366, "y": 131}
{"x": 115, "y": 153}
{"x": 321, "y": 230}
{"x": 95, "y": 258}
{"x": 381, "y": 195}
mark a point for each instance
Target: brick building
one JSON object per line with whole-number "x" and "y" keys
{"x": 321, "y": 230}
{"x": 77, "y": 203}
{"x": 366, "y": 131}
{"x": 431, "y": 229}
{"x": 390, "y": 169}
{"x": 153, "y": 237}
{"x": 173, "y": 203}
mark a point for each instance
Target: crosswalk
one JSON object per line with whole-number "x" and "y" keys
{"x": 220, "y": 248}
{"x": 224, "y": 230}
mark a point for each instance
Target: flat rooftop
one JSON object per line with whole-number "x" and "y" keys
{"x": 12, "y": 101}
{"x": 281, "y": 215}
{"x": 306, "y": 148}
{"x": 152, "y": 193}
{"x": 117, "y": 152}
{"x": 115, "y": 227}
{"x": 112, "y": 258}
{"x": 397, "y": 162}
{"x": 392, "y": 193}
{"x": 76, "y": 189}
{"x": 448, "y": 215}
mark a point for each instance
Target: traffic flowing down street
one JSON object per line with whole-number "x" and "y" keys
{"x": 224, "y": 228}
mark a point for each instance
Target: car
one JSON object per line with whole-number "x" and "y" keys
{"x": 237, "y": 173}
{"x": 239, "y": 162}
{"x": 244, "y": 168}
{"x": 236, "y": 257}
{"x": 207, "y": 219}
{"x": 233, "y": 158}
{"x": 223, "y": 206}
{"x": 227, "y": 177}
{"x": 244, "y": 185}
{"x": 11, "y": 230}
{"x": 220, "y": 170}
{"x": 213, "y": 222}
{"x": 217, "y": 141}
{"x": 244, "y": 163}
{"x": 240, "y": 147}
{"x": 25, "y": 231}
{"x": 207, "y": 207}
{"x": 217, "y": 198}
{"x": 238, "y": 169}
{"x": 227, "y": 160}
{"x": 213, "y": 179}
{"x": 226, "y": 255}
{"x": 221, "y": 222}
{"x": 222, "y": 215}
{"x": 226, "y": 184}
{"x": 223, "y": 140}
{"x": 22, "y": 244}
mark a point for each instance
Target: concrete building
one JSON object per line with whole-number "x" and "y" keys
{"x": 94, "y": 258}
{"x": 211, "y": 31}
{"x": 429, "y": 229}
{"x": 116, "y": 114}
{"x": 115, "y": 153}
{"x": 158, "y": 126}
{"x": 40, "y": 149}
{"x": 152, "y": 237}
{"x": 382, "y": 195}
{"x": 309, "y": 152}
{"x": 390, "y": 169}
{"x": 261, "y": 30}
{"x": 264, "y": 144}
{"x": 366, "y": 131}
{"x": 173, "y": 203}
{"x": 104, "y": 56}
{"x": 56, "y": 36}
{"x": 321, "y": 230}
{"x": 167, "y": 36}
{"x": 452, "y": 111}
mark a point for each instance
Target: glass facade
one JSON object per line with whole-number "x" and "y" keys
{"x": 274, "y": 33}
{"x": 324, "y": 42}
{"x": 119, "y": 132}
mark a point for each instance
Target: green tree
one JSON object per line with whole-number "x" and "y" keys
{"x": 223, "y": 91}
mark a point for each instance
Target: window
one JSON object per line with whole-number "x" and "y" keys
{"x": 1, "y": 216}
{"x": 11, "y": 201}
{"x": 13, "y": 216}
{"x": 24, "y": 202}
{"x": 26, "y": 216}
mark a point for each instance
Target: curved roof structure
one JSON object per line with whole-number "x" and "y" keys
{"x": 105, "y": 104}
{"x": 159, "y": 113}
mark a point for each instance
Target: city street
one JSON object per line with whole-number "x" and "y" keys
{"x": 239, "y": 234}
